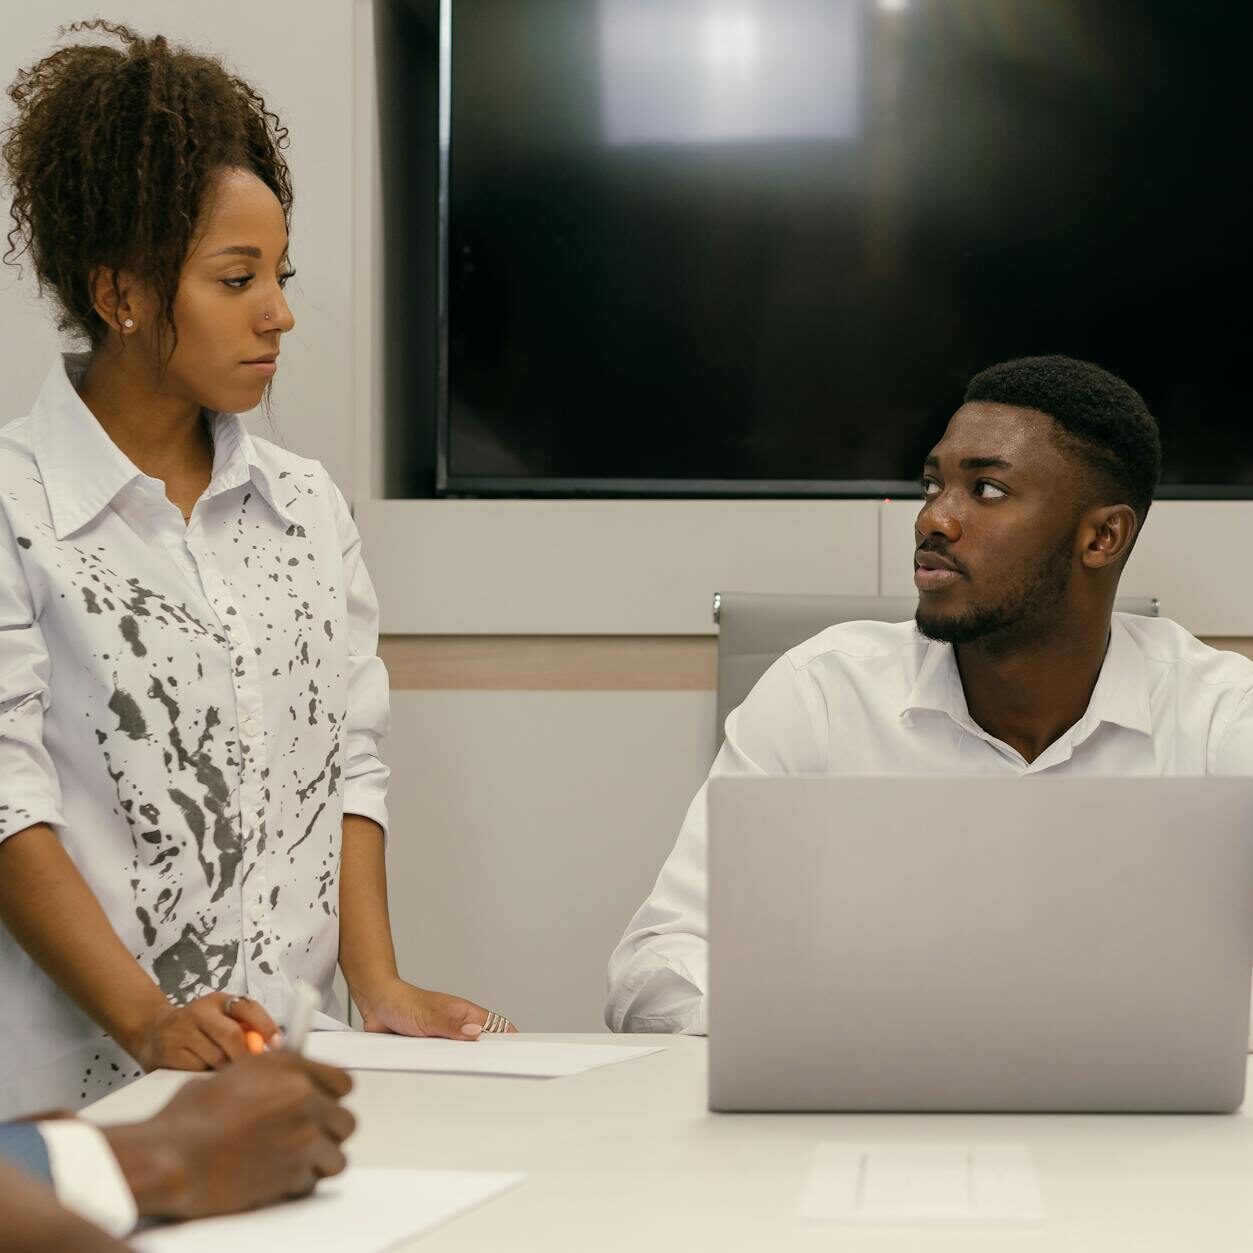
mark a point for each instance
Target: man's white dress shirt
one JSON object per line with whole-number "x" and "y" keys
{"x": 192, "y": 708}
{"x": 872, "y": 698}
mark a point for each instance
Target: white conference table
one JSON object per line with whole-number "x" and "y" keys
{"x": 628, "y": 1157}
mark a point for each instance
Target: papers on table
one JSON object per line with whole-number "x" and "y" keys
{"x": 498, "y": 1055}
{"x": 360, "y": 1211}
{"x": 922, "y": 1183}
{"x": 324, "y": 1022}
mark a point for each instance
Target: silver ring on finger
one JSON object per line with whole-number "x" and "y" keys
{"x": 231, "y": 1002}
{"x": 496, "y": 1024}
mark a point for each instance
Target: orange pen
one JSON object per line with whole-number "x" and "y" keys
{"x": 253, "y": 1040}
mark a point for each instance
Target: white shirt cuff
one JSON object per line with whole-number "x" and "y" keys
{"x": 87, "y": 1177}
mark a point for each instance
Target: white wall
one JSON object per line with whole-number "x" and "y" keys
{"x": 300, "y": 54}
{"x": 527, "y": 827}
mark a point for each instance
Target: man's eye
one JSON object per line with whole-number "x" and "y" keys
{"x": 988, "y": 491}
{"x": 929, "y": 487}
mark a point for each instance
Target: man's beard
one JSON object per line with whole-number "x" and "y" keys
{"x": 1023, "y": 612}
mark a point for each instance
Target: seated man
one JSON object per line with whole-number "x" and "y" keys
{"x": 265, "y": 1129}
{"x": 1015, "y": 665}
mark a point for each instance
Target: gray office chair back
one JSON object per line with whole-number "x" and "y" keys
{"x": 757, "y": 628}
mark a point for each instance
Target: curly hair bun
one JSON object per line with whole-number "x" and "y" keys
{"x": 111, "y": 153}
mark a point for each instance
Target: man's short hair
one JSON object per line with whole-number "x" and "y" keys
{"x": 1105, "y": 421}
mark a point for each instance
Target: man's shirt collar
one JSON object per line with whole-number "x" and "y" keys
{"x": 1120, "y": 697}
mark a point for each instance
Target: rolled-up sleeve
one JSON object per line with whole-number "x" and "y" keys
{"x": 365, "y": 775}
{"x": 29, "y": 789}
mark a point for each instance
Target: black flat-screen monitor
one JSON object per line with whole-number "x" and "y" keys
{"x": 717, "y": 247}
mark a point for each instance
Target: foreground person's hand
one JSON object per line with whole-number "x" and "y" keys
{"x": 265, "y": 1129}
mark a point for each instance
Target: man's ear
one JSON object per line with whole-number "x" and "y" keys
{"x": 1106, "y": 535}
{"x": 118, "y": 299}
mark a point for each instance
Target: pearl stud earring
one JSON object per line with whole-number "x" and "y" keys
{"x": 128, "y": 323}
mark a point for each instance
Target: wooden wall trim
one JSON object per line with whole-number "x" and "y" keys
{"x": 551, "y": 663}
{"x": 574, "y": 663}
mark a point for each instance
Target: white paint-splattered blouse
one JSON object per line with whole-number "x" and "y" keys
{"x": 192, "y": 708}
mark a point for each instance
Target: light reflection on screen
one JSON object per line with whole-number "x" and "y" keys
{"x": 725, "y": 71}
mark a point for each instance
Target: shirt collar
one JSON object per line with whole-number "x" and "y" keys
{"x": 83, "y": 470}
{"x": 1120, "y": 697}
{"x": 81, "y": 467}
{"x": 237, "y": 462}
{"x": 938, "y": 686}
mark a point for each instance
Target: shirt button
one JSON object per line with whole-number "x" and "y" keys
{"x": 251, "y": 726}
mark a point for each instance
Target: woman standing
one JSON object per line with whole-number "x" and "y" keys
{"x": 192, "y": 808}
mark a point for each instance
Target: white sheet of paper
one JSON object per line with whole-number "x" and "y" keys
{"x": 489, "y": 1055}
{"x": 324, "y": 1022}
{"x": 360, "y": 1211}
{"x": 922, "y": 1183}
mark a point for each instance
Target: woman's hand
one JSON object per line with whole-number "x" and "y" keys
{"x": 368, "y": 958}
{"x": 201, "y": 1035}
{"x": 405, "y": 1010}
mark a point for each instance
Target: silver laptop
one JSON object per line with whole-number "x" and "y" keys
{"x": 979, "y": 944}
